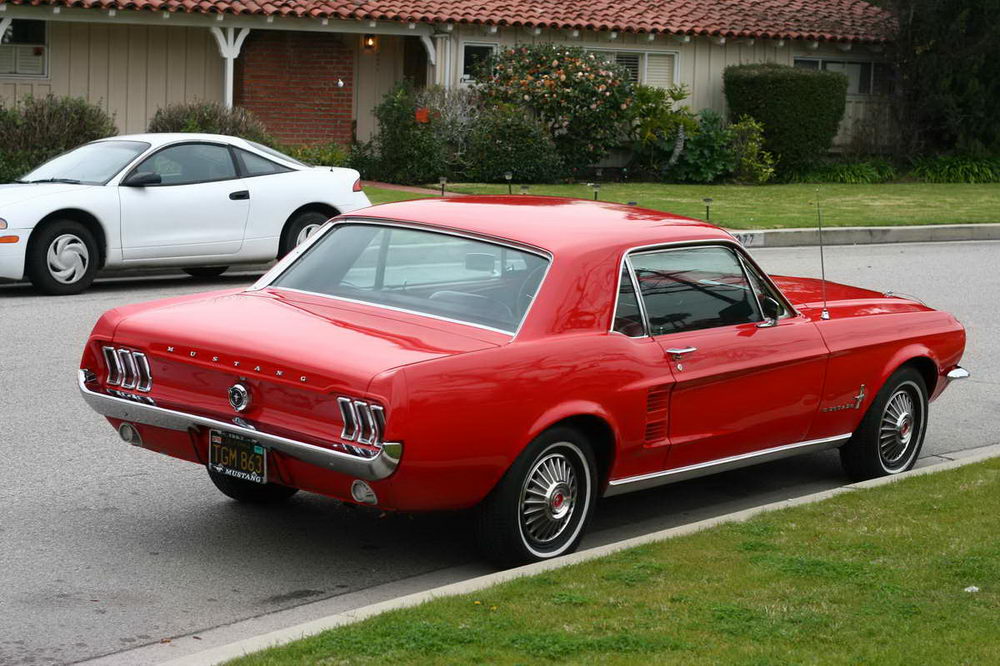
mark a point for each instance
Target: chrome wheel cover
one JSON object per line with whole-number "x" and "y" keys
{"x": 899, "y": 429}
{"x": 549, "y": 499}
{"x": 306, "y": 232}
{"x": 68, "y": 259}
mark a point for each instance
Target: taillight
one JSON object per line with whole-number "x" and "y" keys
{"x": 127, "y": 369}
{"x": 357, "y": 185}
{"x": 364, "y": 422}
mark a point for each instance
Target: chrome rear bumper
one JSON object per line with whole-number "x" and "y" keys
{"x": 378, "y": 467}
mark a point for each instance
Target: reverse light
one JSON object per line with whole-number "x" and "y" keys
{"x": 356, "y": 188}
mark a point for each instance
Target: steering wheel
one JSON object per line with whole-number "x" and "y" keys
{"x": 525, "y": 295}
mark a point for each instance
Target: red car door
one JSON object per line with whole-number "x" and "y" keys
{"x": 743, "y": 381}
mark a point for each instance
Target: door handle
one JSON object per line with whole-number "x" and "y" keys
{"x": 237, "y": 196}
{"x": 678, "y": 352}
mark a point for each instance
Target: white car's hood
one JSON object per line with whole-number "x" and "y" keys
{"x": 15, "y": 193}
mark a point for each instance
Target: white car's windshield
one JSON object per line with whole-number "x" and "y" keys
{"x": 91, "y": 164}
{"x": 431, "y": 273}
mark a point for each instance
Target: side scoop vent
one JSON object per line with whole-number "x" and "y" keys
{"x": 657, "y": 401}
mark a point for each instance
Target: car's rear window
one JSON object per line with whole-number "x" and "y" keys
{"x": 437, "y": 274}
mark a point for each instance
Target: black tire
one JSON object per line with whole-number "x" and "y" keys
{"x": 300, "y": 223}
{"x": 249, "y": 492}
{"x": 206, "y": 271}
{"x": 72, "y": 264}
{"x": 506, "y": 536}
{"x": 892, "y": 431}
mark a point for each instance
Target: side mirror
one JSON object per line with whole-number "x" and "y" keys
{"x": 480, "y": 261}
{"x": 142, "y": 179}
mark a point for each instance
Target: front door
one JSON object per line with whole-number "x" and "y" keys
{"x": 741, "y": 383}
{"x": 199, "y": 207}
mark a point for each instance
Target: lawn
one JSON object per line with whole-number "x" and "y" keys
{"x": 781, "y": 206}
{"x": 886, "y": 575}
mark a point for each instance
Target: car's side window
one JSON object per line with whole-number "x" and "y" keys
{"x": 189, "y": 163}
{"x": 628, "y": 315}
{"x": 255, "y": 165}
{"x": 694, "y": 288}
{"x": 764, "y": 290}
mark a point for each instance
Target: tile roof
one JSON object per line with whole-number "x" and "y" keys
{"x": 822, "y": 20}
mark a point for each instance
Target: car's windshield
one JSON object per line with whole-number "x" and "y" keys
{"x": 91, "y": 164}
{"x": 267, "y": 150}
{"x": 427, "y": 272}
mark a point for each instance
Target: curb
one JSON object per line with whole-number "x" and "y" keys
{"x": 931, "y": 233}
{"x": 283, "y": 636}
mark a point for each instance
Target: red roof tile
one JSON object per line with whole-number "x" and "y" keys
{"x": 823, "y": 20}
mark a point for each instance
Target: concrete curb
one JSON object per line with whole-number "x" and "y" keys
{"x": 929, "y": 233}
{"x": 283, "y": 636}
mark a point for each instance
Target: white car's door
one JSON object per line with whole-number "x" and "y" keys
{"x": 198, "y": 207}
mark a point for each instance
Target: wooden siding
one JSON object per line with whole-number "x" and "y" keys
{"x": 130, "y": 70}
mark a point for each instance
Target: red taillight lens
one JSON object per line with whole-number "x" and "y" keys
{"x": 357, "y": 185}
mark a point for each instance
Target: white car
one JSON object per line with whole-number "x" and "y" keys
{"x": 201, "y": 202}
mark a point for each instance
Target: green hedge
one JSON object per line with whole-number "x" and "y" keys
{"x": 209, "y": 118}
{"x": 801, "y": 109}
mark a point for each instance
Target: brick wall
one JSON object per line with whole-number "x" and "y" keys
{"x": 289, "y": 80}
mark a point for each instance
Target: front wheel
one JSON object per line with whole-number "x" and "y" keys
{"x": 249, "y": 492}
{"x": 892, "y": 431}
{"x": 541, "y": 505}
{"x": 62, "y": 258}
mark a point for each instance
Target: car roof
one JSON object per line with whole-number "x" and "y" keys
{"x": 555, "y": 224}
{"x": 162, "y": 138}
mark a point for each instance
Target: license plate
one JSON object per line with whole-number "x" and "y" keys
{"x": 237, "y": 456}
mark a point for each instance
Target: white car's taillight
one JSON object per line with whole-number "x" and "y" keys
{"x": 357, "y": 186}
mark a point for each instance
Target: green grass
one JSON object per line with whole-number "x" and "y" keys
{"x": 783, "y": 206}
{"x": 873, "y": 576}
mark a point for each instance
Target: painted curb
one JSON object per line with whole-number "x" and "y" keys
{"x": 283, "y": 636}
{"x": 930, "y": 233}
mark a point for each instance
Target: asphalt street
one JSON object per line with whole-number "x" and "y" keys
{"x": 105, "y": 548}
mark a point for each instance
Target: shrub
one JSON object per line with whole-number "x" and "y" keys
{"x": 801, "y": 109}
{"x": 658, "y": 128}
{"x": 868, "y": 172}
{"x": 508, "y": 138}
{"x": 452, "y": 115}
{"x": 210, "y": 118}
{"x": 38, "y": 128}
{"x": 753, "y": 164}
{"x": 707, "y": 156}
{"x": 325, "y": 154}
{"x": 957, "y": 169}
{"x": 582, "y": 99}
{"x": 405, "y": 150}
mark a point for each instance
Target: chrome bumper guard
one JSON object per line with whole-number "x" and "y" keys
{"x": 378, "y": 467}
{"x": 958, "y": 373}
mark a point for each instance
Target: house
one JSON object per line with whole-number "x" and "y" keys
{"x": 313, "y": 70}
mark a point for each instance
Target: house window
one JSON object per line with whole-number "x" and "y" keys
{"x": 472, "y": 57}
{"x": 863, "y": 78}
{"x": 22, "y": 49}
{"x": 647, "y": 67}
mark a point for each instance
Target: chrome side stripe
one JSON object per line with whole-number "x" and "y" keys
{"x": 653, "y": 479}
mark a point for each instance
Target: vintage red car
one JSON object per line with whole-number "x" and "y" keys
{"x": 522, "y": 355}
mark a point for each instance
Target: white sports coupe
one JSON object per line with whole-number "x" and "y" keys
{"x": 201, "y": 202}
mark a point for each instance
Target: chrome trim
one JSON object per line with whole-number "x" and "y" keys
{"x": 958, "y": 372}
{"x": 383, "y": 464}
{"x": 677, "y": 352}
{"x": 350, "y": 417}
{"x": 367, "y": 424}
{"x": 145, "y": 374}
{"x": 131, "y": 376}
{"x": 643, "y": 481}
{"x": 115, "y": 371}
{"x": 292, "y": 257}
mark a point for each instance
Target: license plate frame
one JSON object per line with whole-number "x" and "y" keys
{"x": 237, "y": 456}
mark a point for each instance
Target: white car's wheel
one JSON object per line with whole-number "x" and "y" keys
{"x": 301, "y": 227}
{"x": 62, "y": 258}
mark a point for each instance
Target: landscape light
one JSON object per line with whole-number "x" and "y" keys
{"x": 597, "y": 189}
{"x": 524, "y": 189}
{"x": 708, "y": 209}
{"x": 508, "y": 176}
{"x": 443, "y": 180}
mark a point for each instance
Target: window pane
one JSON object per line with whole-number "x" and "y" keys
{"x": 257, "y": 165}
{"x": 806, "y": 64}
{"x": 91, "y": 164}
{"x": 473, "y": 55}
{"x": 267, "y": 150}
{"x": 632, "y": 63}
{"x": 628, "y": 316}
{"x": 695, "y": 288}
{"x": 421, "y": 271}
{"x": 22, "y": 31}
{"x": 190, "y": 163}
{"x": 763, "y": 290}
{"x": 883, "y": 79}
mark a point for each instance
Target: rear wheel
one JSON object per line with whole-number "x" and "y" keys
{"x": 541, "y": 505}
{"x": 62, "y": 258}
{"x": 206, "y": 271}
{"x": 301, "y": 227}
{"x": 891, "y": 434}
{"x": 250, "y": 492}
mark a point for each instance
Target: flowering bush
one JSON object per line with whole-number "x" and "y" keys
{"x": 508, "y": 138}
{"x": 658, "y": 129}
{"x": 581, "y": 99}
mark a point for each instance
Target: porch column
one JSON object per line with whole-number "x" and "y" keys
{"x": 442, "y": 61}
{"x": 230, "y": 42}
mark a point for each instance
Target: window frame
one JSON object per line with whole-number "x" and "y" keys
{"x": 495, "y": 46}
{"x": 822, "y": 60}
{"x": 148, "y": 156}
{"x": 644, "y": 65}
{"x": 45, "y": 54}
{"x": 743, "y": 258}
{"x": 241, "y": 167}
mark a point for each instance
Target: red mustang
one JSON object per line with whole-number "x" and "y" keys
{"x": 523, "y": 355}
